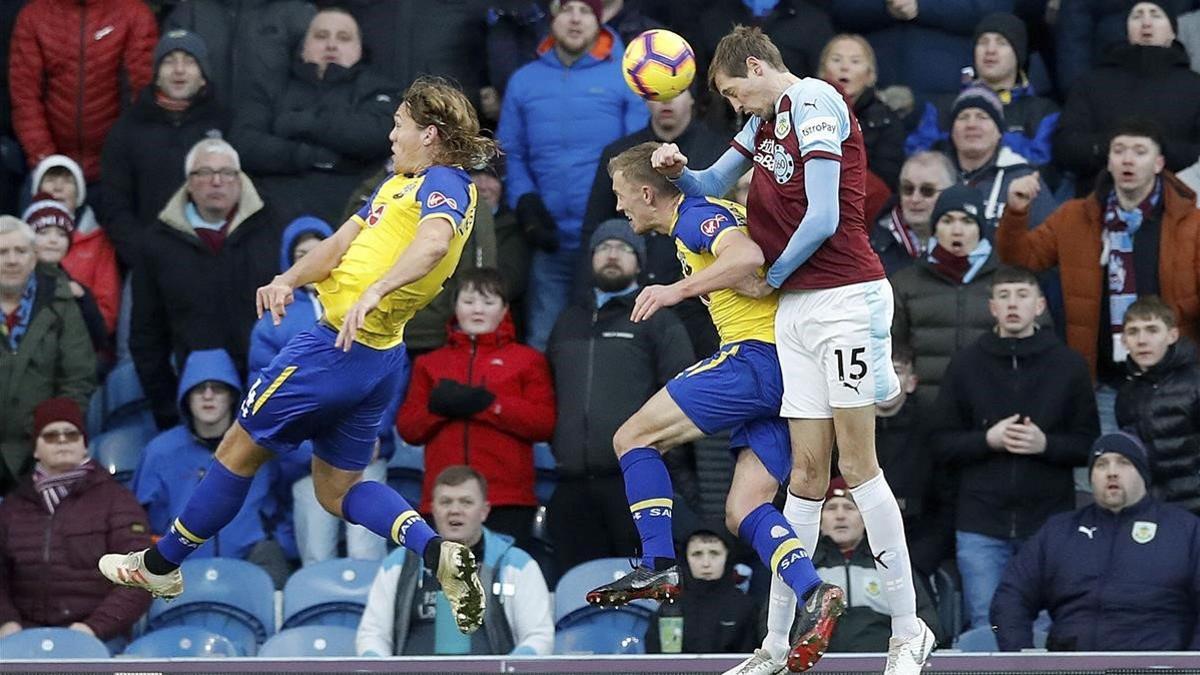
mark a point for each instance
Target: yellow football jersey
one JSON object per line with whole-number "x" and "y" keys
{"x": 389, "y": 222}
{"x": 699, "y": 224}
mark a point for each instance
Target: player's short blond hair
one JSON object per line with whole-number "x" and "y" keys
{"x": 434, "y": 101}
{"x": 740, "y": 44}
{"x": 634, "y": 164}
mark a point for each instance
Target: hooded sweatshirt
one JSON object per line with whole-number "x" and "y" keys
{"x": 175, "y": 461}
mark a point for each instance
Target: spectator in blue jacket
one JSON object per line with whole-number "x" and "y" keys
{"x": 919, "y": 43}
{"x": 1000, "y": 64}
{"x": 559, "y": 112}
{"x": 1121, "y": 574}
{"x": 175, "y": 460}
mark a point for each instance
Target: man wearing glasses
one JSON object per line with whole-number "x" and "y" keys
{"x": 44, "y": 346}
{"x": 902, "y": 231}
{"x": 214, "y": 244}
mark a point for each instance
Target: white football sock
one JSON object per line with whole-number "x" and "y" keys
{"x": 885, "y": 531}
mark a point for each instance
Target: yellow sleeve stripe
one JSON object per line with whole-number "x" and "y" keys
{"x": 287, "y": 372}
{"x": 399, "y": 521}
{"x": 647, "y": 503}
{"x": 358, "y": 220}
{"x": 187, "y": 533}
{"x": 785, "y": 548}
{"x": 720, "y": 235}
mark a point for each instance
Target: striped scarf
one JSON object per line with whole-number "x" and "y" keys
{"x": 1120, "y": 226}
{"x": 905, "y": 235}
{"x": 55, "y": 488}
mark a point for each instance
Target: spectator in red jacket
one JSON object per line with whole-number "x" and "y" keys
{"x": 56, "y": 525}
{"x": 482, "y": 400}
{"x": 73, "y": 65}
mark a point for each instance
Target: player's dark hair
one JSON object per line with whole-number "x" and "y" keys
{"x": 1149, "y": 308}
{"x": 1009, "y": 274}
{"x": 902, "y": 352}
{"x": 634, "y": 164}
{"x": 486, "y": 280}
{"x": 740, "y": 44}
{"x": 453, "y": 476}
{"x": 435, "y": 101}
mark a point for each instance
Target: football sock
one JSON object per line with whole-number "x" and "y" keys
{"x": 804, "y": 515}
{"x": 648, "y": 488}
{"x": 885, "y": 533}
{"x": 381, "y": 510}
{"x": 779, "y": 548}
{"x": 216, "y": 501}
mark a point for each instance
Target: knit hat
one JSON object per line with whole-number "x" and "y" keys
{"x": 979, "y": 96}
{"x": 838, "y": 488}
{"x": 1126, "y": 445}
{"x": 617, "y": 228}
{"x": 180, "y": 40}
{"x": 1013, "y": 30}
{"x": 46, "y": 211}
{"x": 597, "y": 7}
{"x": 1167, "y": 6}
{"x": 58, "y": 409}
{"x": 52, "y": 161}
{"x": 959, "y": 197}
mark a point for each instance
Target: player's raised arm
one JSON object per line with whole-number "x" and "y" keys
{"x": 738, "y": 260}
{"x": 315, "y": 266}
{"x": 715, "y": 181}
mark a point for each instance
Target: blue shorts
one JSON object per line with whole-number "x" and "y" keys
{"x": 314, "y": 391}
{"x": 739, "y": 388}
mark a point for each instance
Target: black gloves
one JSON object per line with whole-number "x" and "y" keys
{"x": 540, "y": 229}
{"x": 457, "y": 400}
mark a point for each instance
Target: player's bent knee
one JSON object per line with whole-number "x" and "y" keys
{"x": 857, "y": 471}
{"x": 630, "y": 435}
{"x": 239, "y": 453}
{"x": 330, "y": 497}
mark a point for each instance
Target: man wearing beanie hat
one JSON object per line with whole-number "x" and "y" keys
{"x": 146, "y": 147}
{"x": 1119, "y": 574}
{"x": 983, "y": 161}
{"x": 605, "y": 366}
{"x": 575, "y": 83}
{"x": 53, "y": 528}
{"x": 1000, "y": 57}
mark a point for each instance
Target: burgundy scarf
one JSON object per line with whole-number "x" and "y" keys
{"x": 949, "y": 265}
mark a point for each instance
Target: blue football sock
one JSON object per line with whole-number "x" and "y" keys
{"x": 381, "y": 510}
{"x": 648, "y": 487}
{"x": 779, "y": 548}
{"x": 216, "y": 501}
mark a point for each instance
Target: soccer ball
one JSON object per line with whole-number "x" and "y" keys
{"x": 658, "y": 65}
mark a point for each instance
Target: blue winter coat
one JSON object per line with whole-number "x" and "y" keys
{"x": 556, "y": 121}
{"x": 1127, "y": 581}
{"x": 174, "y": 462}
{"x": 926, "y": 53}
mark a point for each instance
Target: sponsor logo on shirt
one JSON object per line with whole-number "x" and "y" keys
{"x": 816, "y": 129}
{"x": 375, "y": 215}
{"x": 712, "y": 225}
{"x": 436, "y": 199}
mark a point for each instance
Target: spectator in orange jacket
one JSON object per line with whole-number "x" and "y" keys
{"x": 73, "y": 65}
{"x": 482, "y": 400}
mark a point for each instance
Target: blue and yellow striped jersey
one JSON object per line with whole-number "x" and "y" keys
{"x": 389, "y": 222}
{"x": 699, "y": 224}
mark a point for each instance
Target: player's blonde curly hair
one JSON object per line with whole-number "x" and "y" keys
{"x": 435, "y": 101}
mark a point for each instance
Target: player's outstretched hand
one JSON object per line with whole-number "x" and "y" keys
{"x": 669, "y": 160}
{"x": 652, "y": 299}
{"x": 273, "y": 298}
{"x": 356, "y": 317}
{"x": 1022, "y": 191}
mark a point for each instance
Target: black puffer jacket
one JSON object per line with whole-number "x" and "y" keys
{"x": 310, "y": 141}
{"x": 1162, "y": 406}
{"x": 1001, "y": 494}
{"x": 605, "y": 367}
{"x": 1152, "y": 82}
{"x": 883, "y": 136}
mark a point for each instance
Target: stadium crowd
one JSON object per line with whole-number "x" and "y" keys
{"x": 1034, "y": 169}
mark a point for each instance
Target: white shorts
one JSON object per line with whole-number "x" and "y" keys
{"x": 835, "y": 348}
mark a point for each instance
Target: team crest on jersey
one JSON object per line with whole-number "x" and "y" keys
{"x": 712, "y": 225}
{"x": 783, "y": 124}
{"x": 783, "y": 164}
{"x": 436, "y": 199}
{"x": 1143, "y": 531}
{"x": 375, "y": 215}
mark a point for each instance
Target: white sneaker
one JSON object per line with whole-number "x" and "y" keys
{"x": 907, "y": 657}
{"x": 129, "y": 569}
{"x": 459, "y": 575}
{"x": 760, "y": 663}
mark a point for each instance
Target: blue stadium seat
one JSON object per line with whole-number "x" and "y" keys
{"x": 119, "y": 450}
{"x": 981, "y": 639}
{"x": 329, "y": 593}
{"x": 229, "y": 597}
{"x": 948, "y": 594}
{"x": 94, "y": 416}
{"x": 52, "y": 643}
{"x": 569, "y": 595}
{"x": 545, "y": 472}
{"x": 181, "y": 641}
{"x": 406, "y": 470}
{"x": 602, "y": 631}
{"x": 123, "y": 395}
{"x": 307, "y": 641}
